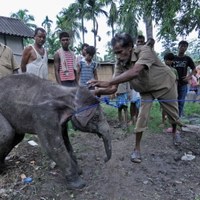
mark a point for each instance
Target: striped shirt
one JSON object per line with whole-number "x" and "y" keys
{"x": 68, "y": 60}
{"x": 87, "y": 72}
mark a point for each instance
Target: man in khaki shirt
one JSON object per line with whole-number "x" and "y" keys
{"x": 8, "y": 64}
{"x": 147, "y": 75}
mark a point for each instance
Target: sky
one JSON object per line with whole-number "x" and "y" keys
{"x": 51, "y": 8}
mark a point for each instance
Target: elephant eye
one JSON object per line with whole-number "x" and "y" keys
{"x": 95, "y": 117}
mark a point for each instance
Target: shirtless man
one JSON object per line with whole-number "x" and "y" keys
{"x": 34, "y": 57}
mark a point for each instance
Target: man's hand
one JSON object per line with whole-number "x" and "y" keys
{"x": 96, "y": 83}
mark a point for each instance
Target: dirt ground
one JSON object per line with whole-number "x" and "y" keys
{"x": 161, "y": 176}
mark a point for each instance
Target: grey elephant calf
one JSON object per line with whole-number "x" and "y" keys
{"x": 29, "y": 104}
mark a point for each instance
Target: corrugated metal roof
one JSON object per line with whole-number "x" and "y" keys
{"x": 16, "y": 27}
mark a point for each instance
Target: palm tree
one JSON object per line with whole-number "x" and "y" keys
{"x": 72, "y": 18}
{"x": 94, "y": 10}
{"x": 112, "y": 17}
{"x": 25, "y": 17}
{"x": 53, "y": 44}
{"x": 80, "y": 9}
{"x": 67, "y": 20}
{"x": 47, "y": 24}
{"x": 128, "y": 17}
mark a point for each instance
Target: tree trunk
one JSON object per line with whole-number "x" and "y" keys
{"x": 148, "y": 26}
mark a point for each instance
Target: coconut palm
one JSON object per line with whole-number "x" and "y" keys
{"x": 112, "y": 17}
{"x": 47, "y": 24}
{"x": 25, "y": 17}
{"x": 67, "y": 20}
{"x": 94, "y": 10}
{"x": 79, "y": 10}
{"x": 72, "y": 18}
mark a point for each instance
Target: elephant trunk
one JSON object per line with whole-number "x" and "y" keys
{"x": 101, "y": 128}
{"x": 107, "y": 146}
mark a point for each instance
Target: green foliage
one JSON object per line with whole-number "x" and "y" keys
{"x": 24, "y": 16}
{"x": 189, "y": 17}
{"x": 110, "y": 112}
{"x": 155, "y": 118}
{"x": 53, "y": 44}
{"x": 190, "y": 108}
{"x": 197, "y": 198}
{"x": 193, "y": 50}
{"x": 174, "y": 18}
{"x": 71, "y": 130}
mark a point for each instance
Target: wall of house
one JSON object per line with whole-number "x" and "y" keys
{"x": 51, "y": 71}
{"x": 104, "y": 71}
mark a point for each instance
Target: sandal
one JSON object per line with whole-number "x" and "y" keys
{"x": 177, "y": 139}
{"x": 136, "y": 157}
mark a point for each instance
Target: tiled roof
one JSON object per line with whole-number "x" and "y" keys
{"x": 12, "y": 26}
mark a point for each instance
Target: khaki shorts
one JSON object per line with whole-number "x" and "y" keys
{"x": 168, "y": 102}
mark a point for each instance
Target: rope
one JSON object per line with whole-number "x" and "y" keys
{"x": 85, "y": 108}
{"x": 107, "y": 101}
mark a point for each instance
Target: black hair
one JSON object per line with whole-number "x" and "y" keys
{"x": 169, "y": 56}
{"x": 141, "y": 37}
{"x": 91, "y": 50}
{"x": 183, "y": 42}
{"x": 150, "y": 42}
{"x": 84, "y": 45}
{"x": 63, "y": 34}
{"x": 124, "y": 38}
{"x": 39, "y": 29}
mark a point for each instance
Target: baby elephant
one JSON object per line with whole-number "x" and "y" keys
{"x": 37, "y": 106}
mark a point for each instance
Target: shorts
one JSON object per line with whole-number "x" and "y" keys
{"x": 169, "y": 107}
{"x": 122, "y": 100}
{"x": 134, "y": 96}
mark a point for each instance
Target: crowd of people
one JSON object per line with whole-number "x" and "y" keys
{"x": 139, "y": 77}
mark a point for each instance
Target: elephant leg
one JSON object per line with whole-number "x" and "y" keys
{"x": 53, "y": 143}
{"x": 69, "y": 147}
{"x": 8, "y": 140}
{"x": 7, "y": 136}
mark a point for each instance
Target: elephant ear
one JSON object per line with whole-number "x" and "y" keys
{"x": 86, "y": 104}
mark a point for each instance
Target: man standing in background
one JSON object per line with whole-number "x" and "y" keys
{"x": 34, "y": 57}
{"x": 65, "y": 62}
{"x": 83, "y": 52}
{"x": 8, "y": 64}
{"x": 181, "y": 63}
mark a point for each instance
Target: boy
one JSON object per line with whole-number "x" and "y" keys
{"x": 122, "y": 103}
{"x": 87, "y": 68}
{"x": 169, "y": 59}
{"x": 135, "y": 101}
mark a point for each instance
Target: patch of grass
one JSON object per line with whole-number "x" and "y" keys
{"x": 191, "y": 108}
{"x": 155, "y": 118}
{"x": 155, "y": 114}
{"x": 110, "y": 112}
